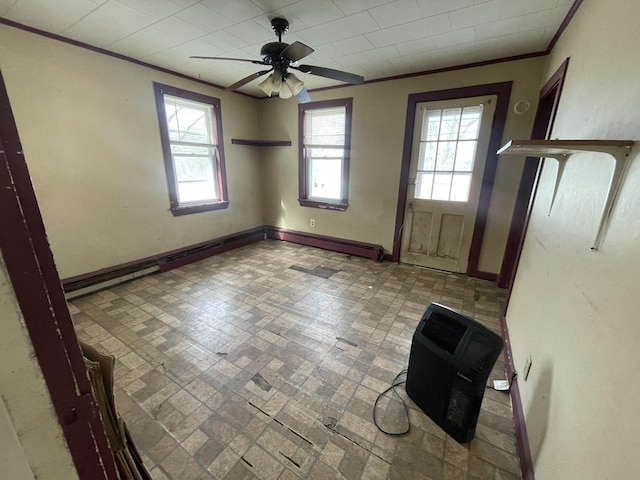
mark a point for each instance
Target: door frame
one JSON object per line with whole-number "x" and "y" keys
{"x": 542, "y": 127}
{"x": 31, "y": 269}
{"x": 440, "y": 209}
{"x": 503, "y": 92}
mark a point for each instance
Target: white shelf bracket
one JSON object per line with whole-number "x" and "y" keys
{"x": 620, "y": 157}
{"x": 561, "y": 150}
{"x": 562, "y": 161}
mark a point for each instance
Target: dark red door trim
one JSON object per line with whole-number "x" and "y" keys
{"x": 542, "y": 126}
{"x": 37, "y": 287}
{"x": 503, "y": 92}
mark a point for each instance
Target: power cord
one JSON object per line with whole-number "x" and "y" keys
{"x": 395, "y": 383}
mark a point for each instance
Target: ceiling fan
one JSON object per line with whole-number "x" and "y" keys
{"x": 281, "y": 57}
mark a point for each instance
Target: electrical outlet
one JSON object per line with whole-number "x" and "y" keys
{"x": 527, "y": 367}
{"x": 312, "y": 222}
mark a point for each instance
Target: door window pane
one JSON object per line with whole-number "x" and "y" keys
{"x": 460, "y": 187}
{"x": 446, "y": 156}
{"x": 424, "y": 184}
{"x": 465, "y": 155}
{"x": 428, "y": 152}
{"x": 470, "y": 123}
{"x": 450, "y": 124}
{"x": 447, "y": 153}
{"x": 441, "y": 186}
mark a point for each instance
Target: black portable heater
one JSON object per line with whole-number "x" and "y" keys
{"x": 450, "y": 361}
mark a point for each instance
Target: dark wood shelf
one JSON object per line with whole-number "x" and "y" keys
{"x": 261, "y": 143}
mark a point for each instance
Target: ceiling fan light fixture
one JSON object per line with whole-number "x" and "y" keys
{"x": 272, "y": 84}
{"x": 286, "y": 91}
{"x": 294, "y": 83}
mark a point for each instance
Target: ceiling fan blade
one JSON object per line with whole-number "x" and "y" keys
{"x": 303, "y": 96}
{"x": 296, "y": 51}
{"x": 247, "y": 79}
{"x": 257, "y": 62}
{"x": 331, "y": 73}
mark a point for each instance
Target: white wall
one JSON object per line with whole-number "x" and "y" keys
{"x": 89, "y": 130}
{"x": 40, "y": 450}
{"x": 577, "y": 313}
{"x": 378, "y": 124}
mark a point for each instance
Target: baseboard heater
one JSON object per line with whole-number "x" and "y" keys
{"x": 359, "y": 249}
{"x": 108, "y": 277}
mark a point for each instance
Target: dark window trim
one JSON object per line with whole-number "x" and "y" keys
{"x": 176, "y": 208}
{"x": 303, "y": 194}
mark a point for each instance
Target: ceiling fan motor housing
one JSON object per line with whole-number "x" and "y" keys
{"x": 271, "y": 52}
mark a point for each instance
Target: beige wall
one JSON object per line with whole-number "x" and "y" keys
{"x": 379, "y": 118}
{"x": 577, "y": 312}
{"x": 89, "y": 130}
{"x": 29, "y": 428}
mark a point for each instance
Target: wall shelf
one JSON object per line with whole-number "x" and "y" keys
{"x": 561, "y": 150}
{"x": 261, "y": 143}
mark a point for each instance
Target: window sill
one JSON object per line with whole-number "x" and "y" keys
{"x": 341, "y": 207}
{"x": 203, "y": 207}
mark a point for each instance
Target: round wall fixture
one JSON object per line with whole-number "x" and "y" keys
{"x": 521, "y": 107}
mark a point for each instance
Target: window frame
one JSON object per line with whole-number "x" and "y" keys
{"x": 303, "y": 197}
{"x": 178, "y": 209}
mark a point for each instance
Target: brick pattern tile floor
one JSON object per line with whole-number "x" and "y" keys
{"x": 265, "y": 362}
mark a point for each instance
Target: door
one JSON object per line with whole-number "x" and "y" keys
{"x": 448, "y": 155}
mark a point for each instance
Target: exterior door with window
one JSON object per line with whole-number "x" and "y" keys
{"x": 448, "y": 156}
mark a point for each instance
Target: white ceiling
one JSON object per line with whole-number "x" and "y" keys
{"x": 373, "y": 38}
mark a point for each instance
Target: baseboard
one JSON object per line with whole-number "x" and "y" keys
{"x": 522, "y": 440}
{"x": 351, "y": 247}
{"x": 163, "y": 262}
{"x": 214, "y": 248}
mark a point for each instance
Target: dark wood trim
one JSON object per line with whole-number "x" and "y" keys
{"x": 542, "y": 127}
{"x": 341, "y": 207}
{"x": 119, "y": 56}
{"x": 102, "y": 51}
{"x": 491, "y": 166}
{"x": 503, "y": 92}
{"x": 204, "y": 207}
{"x": 183, "y": 256}
{"x": 303, "y": 193}
{"x": 435, "y": 71}
{"x": 565, "y": 23}
{"x": 261, "y": 143}
{"x": 176, "y": 208}
{"x": 172, "y": 258}
{"x": 489, "y": 276}
{"x": 350, "y": 247}
{"x": 34, "y": 277}
{"x": 522, "y": 440}
{"x": 213, "y": 249}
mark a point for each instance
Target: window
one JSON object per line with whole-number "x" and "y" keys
{"x": 447, "y": 151}
{"x": 324, "y": 139}
{"x": 191, "y": 133}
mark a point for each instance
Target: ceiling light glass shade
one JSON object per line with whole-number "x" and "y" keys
{"x": 295, "y": 84}
{"x": 286, "y": 91}
{"x": 272, "y": 84}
